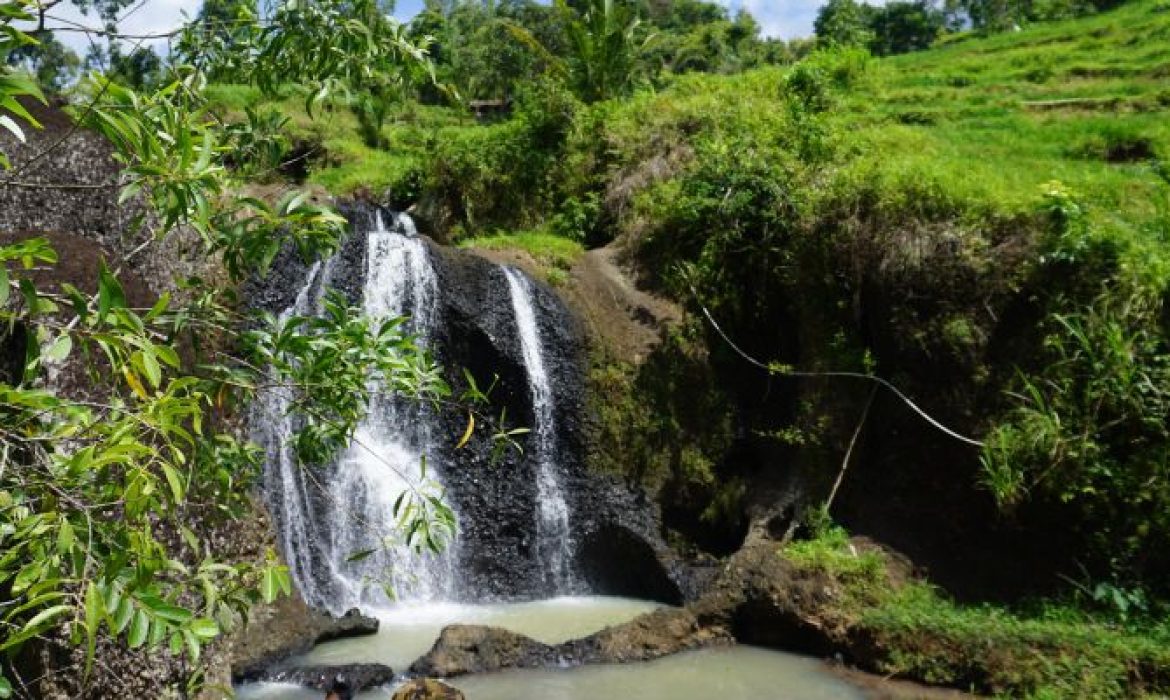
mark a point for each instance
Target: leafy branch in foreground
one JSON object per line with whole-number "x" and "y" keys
{"x": 98, "y": 487}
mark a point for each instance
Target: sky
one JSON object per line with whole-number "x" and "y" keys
{"x": 785, "y": 19}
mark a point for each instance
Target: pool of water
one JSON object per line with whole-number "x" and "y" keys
{"x": 408, "y": 632}
{"x": 735, "y": 673}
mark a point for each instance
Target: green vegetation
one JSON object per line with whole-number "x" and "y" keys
{"x": 109, "y": 496}
{"x": 1045, "y": 650}
{"x": 550, "y": 250}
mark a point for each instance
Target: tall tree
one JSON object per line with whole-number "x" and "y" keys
{"x": 843, "y": 23}
{"x": 604, "y": 43}
{"x": 901, "y": 27}
{"x": 54, "y": 64}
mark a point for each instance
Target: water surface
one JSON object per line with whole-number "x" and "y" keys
{"x": 734, "y": 673}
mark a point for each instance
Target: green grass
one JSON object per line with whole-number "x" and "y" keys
{"x": 550, "y": 251}
{"x": 1046, "y": 650}
{"x": 344, "y": 165}
{"x": 984, "y": 117}
{"x": 978, "y": 120}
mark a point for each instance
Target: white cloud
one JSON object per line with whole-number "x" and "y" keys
{"x": 151, "y": 17}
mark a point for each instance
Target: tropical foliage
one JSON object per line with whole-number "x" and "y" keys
{"x": 98, "y": 488}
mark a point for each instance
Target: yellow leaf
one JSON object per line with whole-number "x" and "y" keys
{"x": 467, "y": 433}
{"x": 134, "y": 383}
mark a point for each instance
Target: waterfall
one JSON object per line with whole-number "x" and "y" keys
{"x": 553, "y": 535}
{"x": 326, "y": 516}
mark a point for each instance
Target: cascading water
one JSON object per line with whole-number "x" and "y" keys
{"x": 326, "y": 518}
{"x": 554, "y": 543}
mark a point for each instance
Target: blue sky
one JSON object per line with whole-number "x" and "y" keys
{"x": 778, "y": 18}
{"x": 782, "y": 18}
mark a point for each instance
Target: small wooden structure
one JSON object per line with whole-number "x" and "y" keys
{"x": 491, "y": 110}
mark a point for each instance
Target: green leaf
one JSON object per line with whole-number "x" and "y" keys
{"x": 139, "y": 629}
{"x": 5, "y": 289}
{"x": 359, "y": 556}
{"x": 65, "y": 538}
{"x": 269, "y": 585}
{"x": 204, "y": 628}
{"x": 175, "y": 482}
{"x": 95, "y": 610}
{"x": 124, "y": 614}
{"x": 60, "y": 348}
{"x": 5, "y": 688}
{"x": 41, "y": 619}
{"x": 110, "y": 294}
{"x": 159, "y": 307}
{"x": 172, "y": 613}
{"x": 193, "y": 645}
{"x": 150, "y": 367}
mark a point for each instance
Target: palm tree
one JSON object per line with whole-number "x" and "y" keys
{"x": 605, "y": 45}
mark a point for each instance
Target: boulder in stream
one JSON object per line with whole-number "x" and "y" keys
{"x": 354, "y": 677}
{"x": 284, "y": 629}
{"x": 427, "y": 689}
{"x": 465, "y": 649}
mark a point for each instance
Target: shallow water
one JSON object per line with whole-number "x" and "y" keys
{"x": 736, "y": 673}
{"x": 408, "y": 632}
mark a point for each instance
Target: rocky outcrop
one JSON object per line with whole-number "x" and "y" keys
{"x": 65, "y": 180}
{"x": 465, "y": 649}
{"x": 615, "y": 528}
{"x": 354, "y": 678}
{"x": 286, "y": 629}
{"x": 427, "y": 689}
{"x": 761, "y": 598}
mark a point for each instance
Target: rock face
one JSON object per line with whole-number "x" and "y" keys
{"x": 84, "y": 159}
{"x": 615, "y": 529}
{"x": 427, "y": 689}
{"x": 464, "y": 649}
{"x": 286, "y": 629}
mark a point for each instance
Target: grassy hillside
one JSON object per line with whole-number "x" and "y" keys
{"x": 1083, "y": 102}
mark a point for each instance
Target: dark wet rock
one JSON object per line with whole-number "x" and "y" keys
{"x": 286, "y": 629}
{"x": 352, "y": 624}
{"x": 651, "y": 636}
{"x": 497, "y": 500}
{"x": 353, "y": 677}
{"x": 464, "y": 649}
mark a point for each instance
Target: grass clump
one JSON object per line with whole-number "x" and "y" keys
{"x": 550, "y": 251}
{"x": 1042, "y": 650}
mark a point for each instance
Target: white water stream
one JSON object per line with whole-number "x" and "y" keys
{"x": 553, "y": 534}
{"x": 324, "y": 519}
